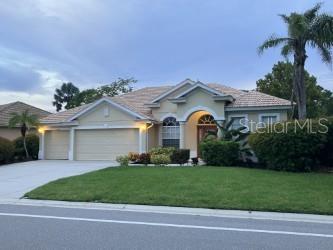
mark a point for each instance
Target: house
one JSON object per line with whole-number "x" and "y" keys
{"x": 178, "y": 116}
{"x": 16, "y": 107}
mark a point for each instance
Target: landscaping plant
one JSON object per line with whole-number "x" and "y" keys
{"x": 180, "y": 156}
{"x": 294, "y": 150}
{"x": 123, "y": 160}
{"x": 133, "y": 157}
{"x": 160, "y": 159}
{"x": 32, "y": 142}
{"x": 144, "y": 158}
{"x": 25, "y": 121}
{"x": 220, "y": 153}
{"x": 6, "y": 150}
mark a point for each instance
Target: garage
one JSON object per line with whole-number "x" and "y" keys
{"x": 105, "y": 144}
{"x": 56, "y": 144}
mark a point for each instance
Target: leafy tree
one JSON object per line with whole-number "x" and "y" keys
{"x": 280, "y": 83}
{"x": 120, "y": 86}
{"x": 85, "y": 96}
{"x": 65, "y": 95}
{"x": 74, "y": 98}
{"x": 25, "y": 121}
{"x": 304, "y": 29}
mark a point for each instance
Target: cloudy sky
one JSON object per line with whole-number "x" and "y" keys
{"x": 91, "y": 42}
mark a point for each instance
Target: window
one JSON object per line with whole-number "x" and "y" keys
{"x": 206, "y": 120}
{"x": 170, "y": 133}
{"x": 238, "y": 122}
{"x": 269, "y": 118}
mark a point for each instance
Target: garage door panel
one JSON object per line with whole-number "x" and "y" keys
{"x": 56, "y": 144}
{"x": 105, "y": 144}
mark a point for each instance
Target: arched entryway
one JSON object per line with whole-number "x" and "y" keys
{"x": 196, "y": 127}
{"x": 206, "y": 127}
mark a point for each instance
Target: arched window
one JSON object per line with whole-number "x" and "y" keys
{"x": 170, "y": 132}
{"x": 206, "y": 120}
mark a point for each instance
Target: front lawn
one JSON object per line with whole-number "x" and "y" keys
{"x": 207, "y": 187}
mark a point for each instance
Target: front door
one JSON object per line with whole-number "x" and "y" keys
{"x": 203, "y": 131}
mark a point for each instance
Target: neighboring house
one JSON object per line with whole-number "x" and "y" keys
{"x": 5, "y": 114}
{"x": 178, "y": 116}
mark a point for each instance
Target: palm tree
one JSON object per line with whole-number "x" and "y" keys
{"x": 307, "y": 29}
{"x": 25, "y": 121}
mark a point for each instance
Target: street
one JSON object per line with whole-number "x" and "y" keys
{"x": 47, "y": 227}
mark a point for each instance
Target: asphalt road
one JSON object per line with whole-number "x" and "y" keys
{"x": 38, "y": 227}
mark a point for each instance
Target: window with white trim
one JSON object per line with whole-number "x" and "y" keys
{"x": 170, "y": 133}
{"x": 269, "y": 119}
{"x": 238, "y": 122}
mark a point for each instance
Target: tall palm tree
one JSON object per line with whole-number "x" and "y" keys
{"x": 25, "y": 121}
{"x": 306, "y": 29}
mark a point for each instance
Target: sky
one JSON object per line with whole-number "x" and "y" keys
{"x": 44, "y": 43}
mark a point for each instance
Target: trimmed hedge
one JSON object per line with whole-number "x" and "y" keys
{"x": 296, "y": 149}
{"x": 220, "y": 153}
{"x": 180, "y": 156}
{"x": 6, "y": 150}
{"x": 160, "y": 159}
{"x": 162, "y": 151}
{"x": 32, "y": 142}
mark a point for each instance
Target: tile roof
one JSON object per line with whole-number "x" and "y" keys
{"x": 257, "y": 99}
{"x": 6, "y": 111}
{"x": 136, "y": 100}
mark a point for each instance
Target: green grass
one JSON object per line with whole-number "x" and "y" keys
{"x": 206, "y": 187}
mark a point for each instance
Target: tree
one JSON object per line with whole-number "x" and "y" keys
{"x": 85, "y": 96}
{"x": 65, "y": 95}
{"x": 115, "y": 88}
{"x": 306, "y": 29}
{"x": 120, "y": 86}
{"x": 280, "y": 83}
{"x": 25, "y": 121}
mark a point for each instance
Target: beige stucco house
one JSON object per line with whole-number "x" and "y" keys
{"x": 6, "y": 111}
{"x": 178, "y": 116}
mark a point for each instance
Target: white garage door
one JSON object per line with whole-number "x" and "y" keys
{"x": 105, "y": 144}
{"x": 56, "y": 144}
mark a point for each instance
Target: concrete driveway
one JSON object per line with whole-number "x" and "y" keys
{"x": 19, "y": 178}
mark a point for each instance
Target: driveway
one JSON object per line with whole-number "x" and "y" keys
{"x": 19, "y": 178}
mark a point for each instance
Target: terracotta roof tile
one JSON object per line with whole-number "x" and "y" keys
{"x": 6, "y": 111}
{"x": 136, "y": 100}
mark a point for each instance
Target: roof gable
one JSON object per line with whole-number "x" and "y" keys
{"x": 215, "y": 94}
{"x": 172, "y": 90}
{"x": 112, "y": 103}
{"x": 6, "y": 111}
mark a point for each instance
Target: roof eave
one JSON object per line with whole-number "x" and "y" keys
{"x": 258, "y": 108}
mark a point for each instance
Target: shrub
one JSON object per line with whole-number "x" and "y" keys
{"x": 32, "y": 142}
{"x": 6, "y": 150}
{"x": 144, "y": 158}
{"x": 160, "y": 159}
{"x": 195, "y": 161}
{"x": 296, "y": 149}
{"x": 326, "y": 156}
{"x": 132, "y": 156}
{"x": 220, "y": 153}
{"x": 123, "y": 160}
{"x": 162, "y": 151}
{"x": 180, "y": 156}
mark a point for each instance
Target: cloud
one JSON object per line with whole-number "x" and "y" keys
{"x": 92, "y": 42}
{"x": 18, "y": 78}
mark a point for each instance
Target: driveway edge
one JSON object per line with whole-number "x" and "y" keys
{"x": 328, "y": 219}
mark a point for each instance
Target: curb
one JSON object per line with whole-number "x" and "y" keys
{"x": 238, "y": 214}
